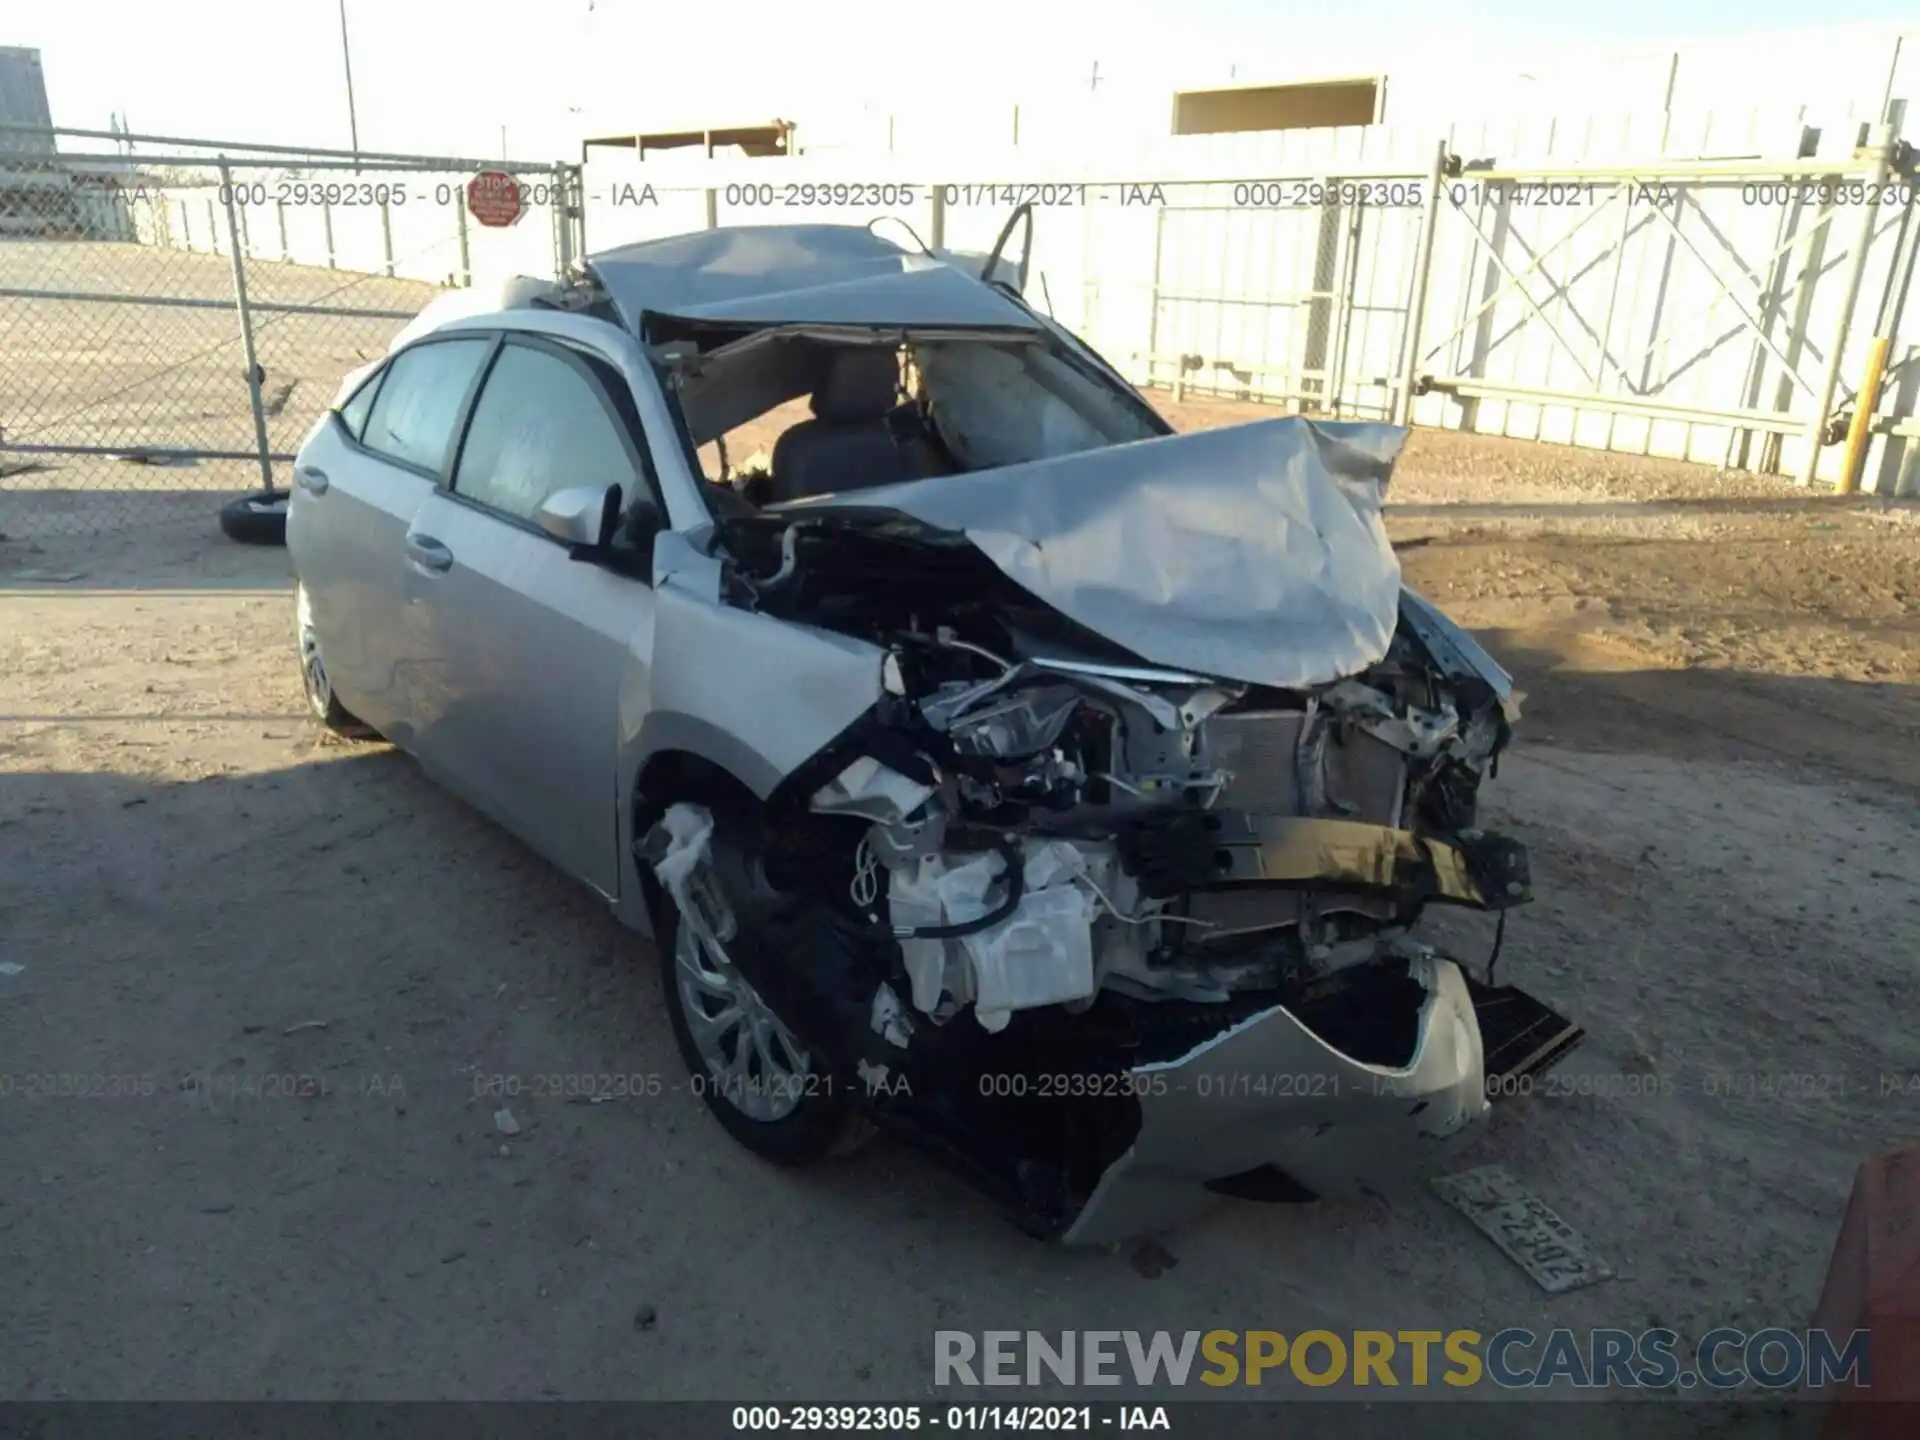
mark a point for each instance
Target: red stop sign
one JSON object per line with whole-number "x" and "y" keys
{"x": 493, "y": 197}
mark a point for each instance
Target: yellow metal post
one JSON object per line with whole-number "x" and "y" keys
{"x": 1865, "y": 403}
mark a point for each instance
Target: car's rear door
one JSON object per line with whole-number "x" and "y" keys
{"x": 358, "y": 482}
{"x": 516, "y": 699}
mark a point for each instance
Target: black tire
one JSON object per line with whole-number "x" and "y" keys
{"x": 258, "y": 519}
{"x": 821, "y": 1122}
{"x": 322, "y": 703}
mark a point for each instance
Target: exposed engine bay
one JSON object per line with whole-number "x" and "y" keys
{"x": 1218, "y": 837}
{"x": 1105, "y": 931}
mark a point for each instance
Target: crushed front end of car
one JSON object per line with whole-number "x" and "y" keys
{"x": 1108, "y": 891}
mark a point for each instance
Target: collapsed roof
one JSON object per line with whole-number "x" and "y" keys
{"x": 798, "y": 275}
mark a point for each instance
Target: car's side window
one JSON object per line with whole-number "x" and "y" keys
{"x": 540, "y": 425}
{"x": 354, "y": 413}
{"x": 413, "y": 415}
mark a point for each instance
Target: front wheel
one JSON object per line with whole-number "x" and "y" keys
{"x": 768, "y": 1090}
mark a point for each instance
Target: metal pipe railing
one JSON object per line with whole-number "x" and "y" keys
{"x": 1469, "y": 387}
{"x": 292, "y": 152}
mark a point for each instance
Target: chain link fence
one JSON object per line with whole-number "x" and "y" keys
{"x": 175, "y": 315}
{"x": 176, "y": 322}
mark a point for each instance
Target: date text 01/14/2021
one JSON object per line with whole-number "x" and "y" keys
{"x": 1105, "y": 1084}
{"x": 645, "y": 1085}
{"x": 801, "y": 194}
{"x": 1048, "y": 195}
{"x": 958, "y": 1419}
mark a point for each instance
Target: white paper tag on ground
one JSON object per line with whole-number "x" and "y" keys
{"x": 1555, "y": 1254}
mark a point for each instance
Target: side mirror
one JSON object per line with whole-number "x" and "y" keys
{"x": 581, "y": 516}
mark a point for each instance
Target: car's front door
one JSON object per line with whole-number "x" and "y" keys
{"x": 515, "y": 699}
{"x": 358, "y": 483}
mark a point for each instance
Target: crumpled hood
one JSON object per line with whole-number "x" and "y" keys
{"x": 1252, "y": 553}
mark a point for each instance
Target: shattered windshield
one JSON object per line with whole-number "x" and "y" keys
{"x": 1002, "y": 405}
{"x": 783, "y": 416}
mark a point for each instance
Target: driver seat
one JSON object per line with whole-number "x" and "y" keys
{"x": 848, "y": 445}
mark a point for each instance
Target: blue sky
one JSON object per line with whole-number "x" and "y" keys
{"x": 440, "y": 75}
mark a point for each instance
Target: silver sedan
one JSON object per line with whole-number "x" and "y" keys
{"x": 991, "y": 765}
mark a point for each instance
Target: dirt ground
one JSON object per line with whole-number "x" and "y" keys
{"x": 277, "y": 970}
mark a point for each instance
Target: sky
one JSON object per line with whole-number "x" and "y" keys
{"x": 473, "y": 76}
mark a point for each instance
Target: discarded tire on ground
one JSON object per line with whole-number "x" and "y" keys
{"x": 258, "y": 519}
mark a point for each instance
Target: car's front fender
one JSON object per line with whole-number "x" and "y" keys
{"x": 753, "y": 696}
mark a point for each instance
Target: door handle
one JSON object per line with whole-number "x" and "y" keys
{"x": 428, "y": 552}
{"x": 311, "y": 479}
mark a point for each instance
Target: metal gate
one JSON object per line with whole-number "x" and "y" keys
{"x": 178, "y": 313}
{"x": 1741, "y": 313}
{"x": 1709, "y": 309}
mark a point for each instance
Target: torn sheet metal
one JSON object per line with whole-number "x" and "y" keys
{"x": 870, "y": 789}
{"x": 1024, "y": 723}
{"x": 1346, "y": 1126}
{"x": 677, "y": 561}
{"x": 1456, "y": 652}
{"x": 1252, "y": 553}
{"x": 1409, "y": 729}
{"x": 1527, "y": 1231}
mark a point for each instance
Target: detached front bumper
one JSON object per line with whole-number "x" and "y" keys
{"x": 1269, "y": 1093}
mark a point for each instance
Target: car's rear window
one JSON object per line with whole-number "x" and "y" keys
{"x": 413, "y": 415}
{"x": 354, "y": 413}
